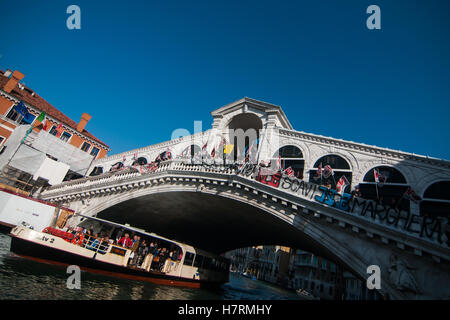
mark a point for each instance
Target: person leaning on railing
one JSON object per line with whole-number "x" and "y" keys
{"x": 104, "y": 244}
{"x": 78, "y": 238}
{"x": 94, "y": 243}
{"x": 125, "y": 241}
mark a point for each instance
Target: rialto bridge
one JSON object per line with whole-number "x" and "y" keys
{"x": 205, "y": 196}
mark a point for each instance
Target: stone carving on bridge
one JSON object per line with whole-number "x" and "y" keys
{"x": 401, "y": 275}
{"x": 86, "y": 203}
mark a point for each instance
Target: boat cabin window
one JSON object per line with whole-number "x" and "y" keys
{"x": 207, "y": 263}
{"x": 198, "y": 261}
{"x": 189, "y": 258}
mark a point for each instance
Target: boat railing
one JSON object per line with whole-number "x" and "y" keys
{"x": 97, "y": 244}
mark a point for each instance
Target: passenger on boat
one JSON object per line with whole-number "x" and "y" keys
{"x": 90, "y": 232}
{"x": 125, "y": 241}
{"x": 155, "y": 262}
{"x": 135, "y": 244}
{"x": 141, "y": 252}
{"x": 146, "y": 264}
{"x": 153, "y": 248}
{"x": 78, "y": 238}
{"x": 171, "y": 260}
{"x": 134, "y": 247}
{"x": 104, "y": 244}
{"x": 94, "y": 242}
{"x": 168, "y": 262}
{"x": 163, "y": 255}
{"x": 69, "y": 236}
{"x": 156, "y": 258}
{"x": 118, "y": 236}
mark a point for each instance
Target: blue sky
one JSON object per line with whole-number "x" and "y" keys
{"x": 145, "y": 68}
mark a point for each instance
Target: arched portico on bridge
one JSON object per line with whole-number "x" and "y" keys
{"x": 436, "y": 199}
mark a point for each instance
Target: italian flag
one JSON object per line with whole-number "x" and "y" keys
{"x": 40, "y": 119}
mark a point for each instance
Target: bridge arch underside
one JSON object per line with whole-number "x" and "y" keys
{"x": 210, "y": 222}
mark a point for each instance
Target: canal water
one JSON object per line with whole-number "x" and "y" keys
{"x": 25, "y": 279}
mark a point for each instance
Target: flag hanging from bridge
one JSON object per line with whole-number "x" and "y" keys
{"x": 410, "y": 194}
{"x": 328, "y": 171}
{"x": 290, "y": 172}
{"x": 279, "y": 163}
{"x": 228, "y": 148}
{"x": 186, "y": 152}
{"x": 342, "y": 184}
{"x": 380, "y": 178}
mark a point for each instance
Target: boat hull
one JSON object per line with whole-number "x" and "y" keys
{"x": 6, "y": 227}
{"x": 47, "y": 254}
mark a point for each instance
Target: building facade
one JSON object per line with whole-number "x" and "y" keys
{"x": 320, "y": 277}
{"x": 31, "y": 149}
{"x": 267, "y": 263}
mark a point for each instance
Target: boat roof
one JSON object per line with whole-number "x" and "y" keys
{"x": 142, "y": 231}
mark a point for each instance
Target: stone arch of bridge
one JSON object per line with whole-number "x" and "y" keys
{"x": 223, "y": 221}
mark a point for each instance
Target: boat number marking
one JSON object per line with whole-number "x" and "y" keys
{"x": 44, "y": 238}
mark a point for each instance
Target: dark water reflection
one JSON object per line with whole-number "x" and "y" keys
{"x": 24, "y": 279}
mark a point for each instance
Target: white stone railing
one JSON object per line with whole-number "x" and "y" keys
{"x": 129, "y": 173}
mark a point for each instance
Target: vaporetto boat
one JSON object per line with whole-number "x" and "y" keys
{"x": 167, "y": 262}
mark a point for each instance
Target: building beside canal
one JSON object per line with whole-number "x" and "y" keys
{"x": 317, "y": 275}
{"x": 37, "y": 151}
{"x": 298, "y": 269}
{"x": 267, "y": 263}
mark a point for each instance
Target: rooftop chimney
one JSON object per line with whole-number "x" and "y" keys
{"x": 13, "y": 81}
{"x": 83, "y": 122}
